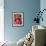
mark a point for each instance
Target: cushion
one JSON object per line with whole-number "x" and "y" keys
{"x": 20, "y": 42}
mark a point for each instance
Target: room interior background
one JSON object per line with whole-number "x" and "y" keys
{"x": 29, "y": 7}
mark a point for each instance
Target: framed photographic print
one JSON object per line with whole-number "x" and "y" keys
{"x": 18, "y": 19}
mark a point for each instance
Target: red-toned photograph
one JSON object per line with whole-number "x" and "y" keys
{"x": 18, "y": 19}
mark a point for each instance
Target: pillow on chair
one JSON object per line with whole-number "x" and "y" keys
{"x": 21, "y": 42}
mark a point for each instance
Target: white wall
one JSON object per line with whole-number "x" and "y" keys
{"x": 1, "y": 21}
{"x": 43, "y": 6}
